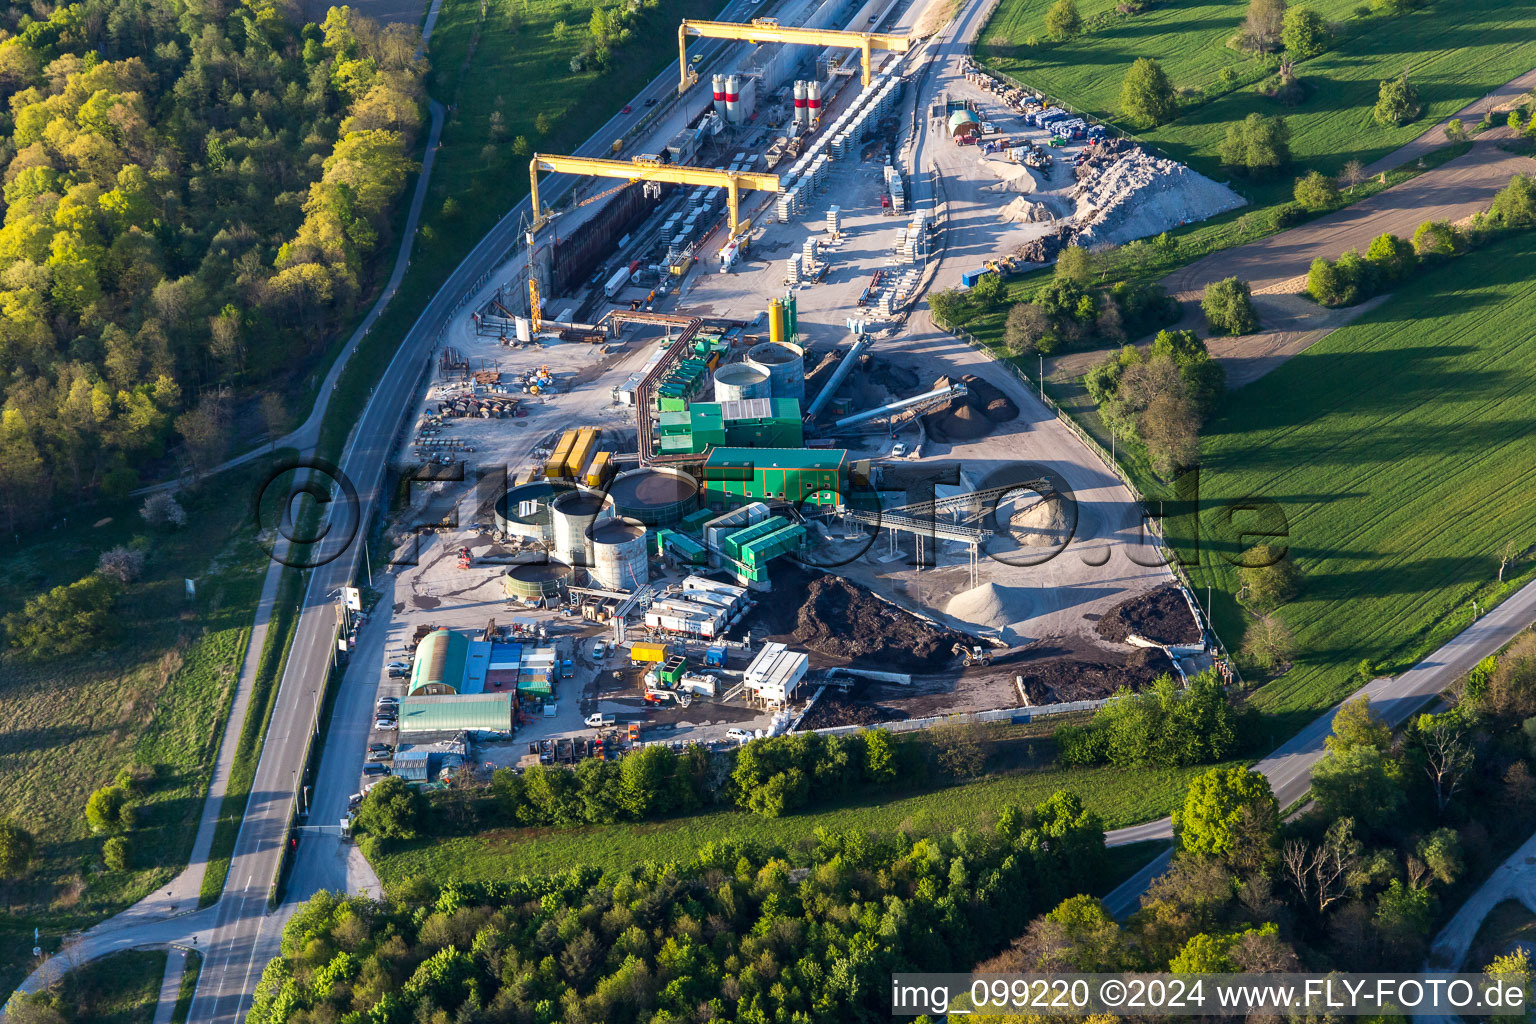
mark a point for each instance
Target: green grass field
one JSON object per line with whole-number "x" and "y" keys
{"x": 1453, "y": 53}
{"x": 119, "y": 989}
{"x": 1120, "y": 797}
{"x": 1401, "y": 452}
{"x": 155, "y": 693}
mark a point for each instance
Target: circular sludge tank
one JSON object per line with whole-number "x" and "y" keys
{"x": 784, "y": 363}
{"x": 537, "y": 581}
{"x": 524, "y": 510}
{"x": 570, "y": 515}
{"x": 619, "y": 557}
{"x": 738, "y": 381}
{"x": 655, "y": 495}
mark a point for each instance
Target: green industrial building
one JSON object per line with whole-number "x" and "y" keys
{"x": 745, "y": 423}
{"x": 480, "y": 712}
{"x": 735, "y": 476}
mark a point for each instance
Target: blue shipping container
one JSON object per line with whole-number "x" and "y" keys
{"x": 970, "y": 277}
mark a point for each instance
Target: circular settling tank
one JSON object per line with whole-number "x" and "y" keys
{"x": 570, "y": 516}
{"x": 738, "y": 381}
{"x": 784, "y": 363}
{"x": 619, "y": 556}
{"x": 532, "y": 581}
{"x": 524, "y": 510}
{"x": 656, "y": 495}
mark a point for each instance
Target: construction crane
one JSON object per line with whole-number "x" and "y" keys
{"x": 765, "y": 30}
{"x": 533, "y": 303}
{"x": 639, "y": 169}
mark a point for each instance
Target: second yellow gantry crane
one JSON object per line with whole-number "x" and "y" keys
{"x": 768, "y": 31}
{"x": 650, "y": 170}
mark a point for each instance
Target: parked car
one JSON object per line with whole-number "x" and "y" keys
{"x": 398, "y": 673}
{"x": 739, "y": 735}
{"x": 380, "y": 755}
{"x": 381, "y": 748}
{"x": 385, "y": 724}
{"x": 598, "y": 721}
{"x": 375, "y": 769}
{"x": 599, "y": 649}
{"x": 388, "y": 702}
{"x": 399, "y": 664}
{"x": 898, "y": 449}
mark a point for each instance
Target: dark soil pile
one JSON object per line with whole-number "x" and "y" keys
{"x": 995, "y": 405}
{"x": 1044, "y": 248}
{"x": 959, "y": 419}
{"x": 842, "y": 620}
{"x": 1066, "y": 679}
{"x": 834, "y": 709}
{"x": 1161, "y": 615}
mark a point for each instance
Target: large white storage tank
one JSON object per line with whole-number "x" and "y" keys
{"x": 571, "y": 515}
{"x": 784, "y": 362}
{"x": 619, "y": 557}
{"x": 736, "y": 382}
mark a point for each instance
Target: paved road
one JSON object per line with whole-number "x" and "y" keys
{"x": 1515, "y": 879}
{"x": 1289, "y": 768}
{"x": 238, "y": 934}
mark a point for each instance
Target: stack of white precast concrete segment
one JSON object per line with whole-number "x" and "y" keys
{"x": 809, "y": 173}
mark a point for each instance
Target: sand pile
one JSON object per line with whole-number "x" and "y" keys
{"x": 1037, "y": 523}
{"x": 1011, "y": 177}
{"x": 1022, "y": 211}
{"x": 1161, "y": 615}
{"x": 1140, "y": 195}
{"x": 990, "y": 606}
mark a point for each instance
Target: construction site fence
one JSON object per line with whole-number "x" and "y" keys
{"x": 1155, "y": 527}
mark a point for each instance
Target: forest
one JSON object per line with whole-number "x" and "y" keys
{"x": 725, "y": 933}
{"x": 194, "y": 194}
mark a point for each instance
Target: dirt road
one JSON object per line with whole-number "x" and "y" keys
{"x": 1276, "y": 267}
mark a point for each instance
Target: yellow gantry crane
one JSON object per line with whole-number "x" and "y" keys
{"x": 766, "y": 30}
{"x": 650, "y": 170}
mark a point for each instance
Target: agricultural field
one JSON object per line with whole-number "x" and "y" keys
{"x": 1401, "y": 453}
{"x": 502, "y": 853}
{"x": 1454, "y": 54}
{"x": 154, "y": 693}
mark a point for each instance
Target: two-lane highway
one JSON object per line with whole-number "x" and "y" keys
{"x": 245, "y": 936}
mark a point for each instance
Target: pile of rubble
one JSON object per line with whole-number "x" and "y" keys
{"x": 1138, "y": 194}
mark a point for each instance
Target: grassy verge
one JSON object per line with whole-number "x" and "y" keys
{"x": 188, "y": 988}
{"x": 119, "y": 989}
{"x": 1119, "y": 796}
{"x": 269, "y": 675}
{"x": 152, "y": 693}
{"x": 1401, "y": 461}
{"x": 1507, "y": 925}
